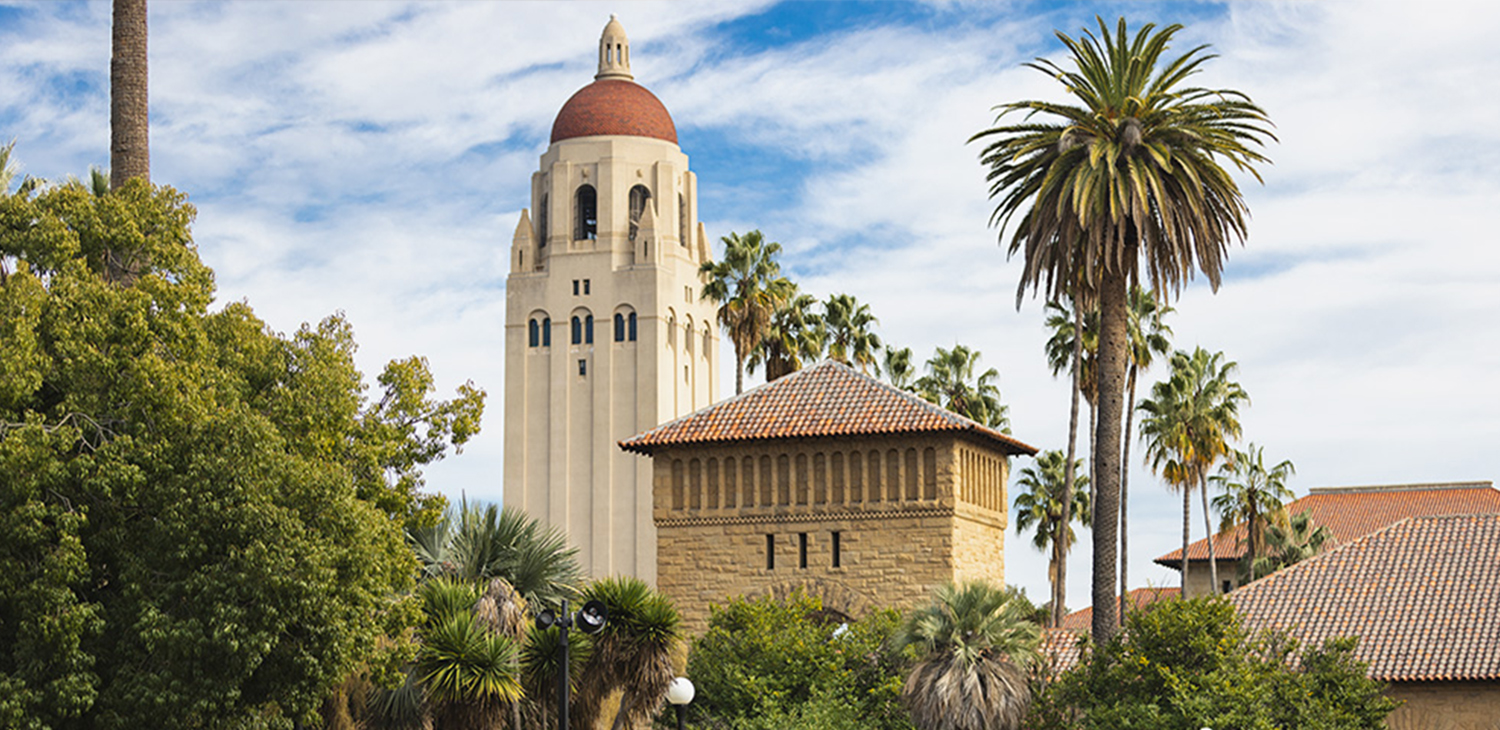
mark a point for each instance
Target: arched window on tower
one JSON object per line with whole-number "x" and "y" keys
{"x": 682, "y": 219}
{"x": 631, "y": 327}
{"x": 541, "y": 223}
{"x": 534, "y": 334}
{"x": 577, "y": 330}
{"x": 546, "y": 332}
{"x": 639, "y": 197}
{"x": 588, "y": 329}
{"x": 586, "y": 212}
{"x": 619, "y": 327}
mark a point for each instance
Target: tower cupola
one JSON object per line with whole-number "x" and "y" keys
{"x": 614, "y": 52}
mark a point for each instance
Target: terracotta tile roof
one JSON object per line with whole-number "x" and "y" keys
{"x": 1422, "y": 595}
{"x": 1350, "y": 512}
{"x": 614, "y": 107}
{"x": 827, "y": 399}
{"x": 1083, "y": 619}
{"x": 1061, "y": 650}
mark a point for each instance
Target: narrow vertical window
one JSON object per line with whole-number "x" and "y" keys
{"x": 682, "y": 219}
{"x": 585, "y": 287}
{"x": 770, "y": 552}
{"x": 588, "y": 329}
{"x": 577, "y": 331}
{"x": 575, "y": 287}
{"x": 546, "y": 332}
{"x": 541, "y": 223}
{"x": 802, "y": 550}
{"x": 631, "y": 324}
{"x": 534, "y": 334}
{"x": 837, "y": 545}
{"x": 583, "y": 367}
{"x": 639, "y": 196}
{"x": 619, "y": 327}
{"x": 586, "y": 214}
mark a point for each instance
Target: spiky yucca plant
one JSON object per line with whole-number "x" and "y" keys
{"x": 632, "y": 653}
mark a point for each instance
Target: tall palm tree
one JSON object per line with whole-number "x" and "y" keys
{"x": 1254, "y": 495}
{"x": 1067, "y": 351}
{"x": 976, "y": 643}
{"x": 848, "y": 337}
{"x": 895, "y": 365}
{"x": 1292, "y": 543}
{"x": 1190, "y": 419}
{"x": 129, "y": 126}
{"x": 748, "y": 286}
{"x": 952, "y": 383}
{"x": 1040, "y": 497}
{"x": 794, "y": 339}
{"x": 633, "y": 653}
{"x": 1148, "y": 335}
{"x": 1126, "y": 184}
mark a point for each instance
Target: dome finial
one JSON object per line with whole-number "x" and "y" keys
{"x": 614, "y": 52}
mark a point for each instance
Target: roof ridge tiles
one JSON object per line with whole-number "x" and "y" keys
{"x": 1412, "y": 487}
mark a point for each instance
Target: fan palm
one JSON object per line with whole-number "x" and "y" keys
{"x": 895, "y": 365}
{"x": 794, "y": 338}
{"x": 1128, "y": 178}
{"x": 633, "y": 653}
{"x": 976, "y": 644}
{"x": 1292, "y": 543}
{"x": 951, "y": 382}
{"x": 748, "y": 286}
{"x": 1148, "y": 338}
{"x": 846, "y": 328}
{"x": 1254, "y": 495}
{"x": 478, "y": 543}
{"x": 1190, "y": 418}
{"x": 1040, "y": 500}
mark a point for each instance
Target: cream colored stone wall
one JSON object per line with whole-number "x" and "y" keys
{"x": 1200, "y": 579}
{"x": 894, "y": 503}
{"x": 1445, "y": 706}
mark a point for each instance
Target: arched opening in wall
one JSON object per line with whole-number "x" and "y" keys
{"x": 695, "y": 484}
{"x": 875, "y": 491}
{"x": 784, "y": 480}
{"x": 534, "y": 333}
{"x": 912, "y": 490}
{"x": 588, "y": 329}
{"x": 630, "y": 327}
{"x": 682, "y": 219}
{"x": 639, "y": 197}
{"x": 619, "y": 327}
{"x": 541, "y": 223}
{"x": 687, "y": 335}
{"x": 677, "y": 486}
{"x": 929, "y": 474}
{"x": 708, "y": 338}
{"x": 546, "y": 332}
{"x": 893, "y": 475}
{"x": 586, "y": 213}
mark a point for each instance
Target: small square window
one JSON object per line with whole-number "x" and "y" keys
{"x": 583, "y": 367}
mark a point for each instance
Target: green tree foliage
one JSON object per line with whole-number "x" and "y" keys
{"x": 749, "y": 288}
{"x": 1122, "y": 186}
{"x": 1040, "y": 494}
{"x": 793, "y": 340}
{"x": 481, "y": 542}
{"x": 203, "y": 518}
{"x": 848, "y": 334}
{"x": 975, "y": 645}
{"x": 952, "y": 381}
{"x": 1291, "y": 543}
{"x": 632, "y": 654}
{"x": 895, "y": 365}
{"x": 1185, "y": 665}
{"x": 1254, "y": 495}
{"x": 769, "y": 664}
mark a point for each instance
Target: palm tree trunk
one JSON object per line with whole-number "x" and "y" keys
{"x": 1125, "y": 492}
{"x": 1093, "y": 446}
{"x": 129, "y": 144}
{"x": 1060, "y": 589}
{"x": 1110, "y": 365}
{"x": 1213, "y": 565}
{"x": 1187, "y": 517}
{"x": 739, "y": 373}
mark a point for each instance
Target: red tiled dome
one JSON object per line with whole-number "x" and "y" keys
{"x": 614, "y": 106}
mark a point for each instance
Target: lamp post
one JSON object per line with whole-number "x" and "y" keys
{"x": 590, "y": 620}
{"x": 680, "y": 693}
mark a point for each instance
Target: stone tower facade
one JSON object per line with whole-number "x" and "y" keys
{"x": 606, "y": 335}
{"x": 829, "y": 482}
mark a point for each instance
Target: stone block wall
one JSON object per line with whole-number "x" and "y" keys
{"x": 1445, "y": 706}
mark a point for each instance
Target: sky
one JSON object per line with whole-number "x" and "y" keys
{"x": 372, "y": 158}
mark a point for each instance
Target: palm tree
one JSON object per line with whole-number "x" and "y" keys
{"x": 1254, "y": 495}
{"x": 1148, "y": 338}
{"x": 748, "y": 286}
{"x": 1129, "y": 174}
{"x": 794, "y": 339}
{"x": 1041, "y": 495}
{"x": 1291, "y": 543}
{"x": 895, "y": 365}
{"x": 468, "y": 673}
{"x": 951, "y": 383}
{"x": 1190, "y": 418}
{"x": 478, "y": 543}
{"x": 976, "y": 644}
{"x": 846, "y": 326}
{"x": 129, "y": 127}
{"x": 633, "y": 653}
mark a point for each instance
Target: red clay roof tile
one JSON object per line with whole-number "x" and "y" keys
{"x": 614, "y": 107}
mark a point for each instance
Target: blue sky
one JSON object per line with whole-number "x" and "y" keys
{"x": 373, "y": 158}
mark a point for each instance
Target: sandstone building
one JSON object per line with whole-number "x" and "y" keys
{"x": 605, "y": 334}
{"x": 829, "y": 481}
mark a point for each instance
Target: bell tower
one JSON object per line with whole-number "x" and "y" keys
{"x": 605, "y": 334}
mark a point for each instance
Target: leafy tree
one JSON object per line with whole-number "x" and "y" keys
{"x": 767, "y": 664}
{"x": 203, "y": 517}
{"x": 1190, "y": 418}
{"x": 1254, "y": 495}
{"x": 749, "y": 288}
{"x": 633, "y": 653}
{"x": 847, "y": 334}
{"x": 1040, "y": 493}
{"x": 976, "y": 644}
{"x": 1184, "y": 665}
{"x": 1148, "y": 339}
{"x": 1125, "y": 184}
{"x": 794, "y": 339}
{"x": 1291, "y": 543}
{"x": 952, "y": 383}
